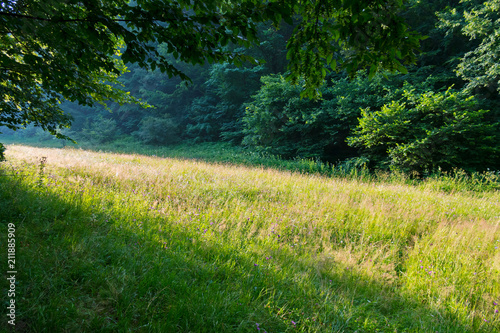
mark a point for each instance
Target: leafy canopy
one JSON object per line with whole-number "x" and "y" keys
{"x": 480, "y": 22}
{"x": 52, "y": 50}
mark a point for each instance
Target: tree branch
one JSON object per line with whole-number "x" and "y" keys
{"x": 64, "y": 20}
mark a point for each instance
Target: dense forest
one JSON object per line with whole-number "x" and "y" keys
{"x": 441, "y": 113}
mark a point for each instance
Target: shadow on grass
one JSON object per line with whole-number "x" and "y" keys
{"x": 82, "y": 269}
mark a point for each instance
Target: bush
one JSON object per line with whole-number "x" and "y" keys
{"x": 279, "y": 122}
{"x": 158, "y": 131}
{"x": 2, "y": 152}
{"x": 426, "y": 132}
{"x": 101, "y": 130}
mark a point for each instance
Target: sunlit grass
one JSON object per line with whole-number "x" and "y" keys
{"x": 223, "y": 153}
{"x": 110, "y": 242}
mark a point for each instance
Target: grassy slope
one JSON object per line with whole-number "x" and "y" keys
{"x": 456, "y": 180}
{"x": 112, "y": 243}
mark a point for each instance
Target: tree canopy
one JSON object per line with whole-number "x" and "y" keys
{"x": 52, "y": 50}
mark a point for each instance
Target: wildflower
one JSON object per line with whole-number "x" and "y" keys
{"x": 255, "y": 265}
{"x": 294, "y": 323}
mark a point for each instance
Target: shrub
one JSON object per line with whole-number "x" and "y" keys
{"x": 428, "y": 131}
{"x": 279, "y": 122}
{"x": 2, "y": 152}
{"x": 101, "y": 130}
{"x": 153, "y": 130}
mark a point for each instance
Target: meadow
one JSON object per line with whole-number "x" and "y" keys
{"x": 124, "y": 242}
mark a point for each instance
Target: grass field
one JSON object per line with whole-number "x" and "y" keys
{"x": 118, "y": 243}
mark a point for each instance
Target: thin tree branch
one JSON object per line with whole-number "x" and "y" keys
{"x": 65, "y": 20}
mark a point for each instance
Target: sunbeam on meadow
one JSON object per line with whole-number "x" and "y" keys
{"x": 115, "y": 242}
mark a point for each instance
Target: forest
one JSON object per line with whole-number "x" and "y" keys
{"x": 441, "y": 113}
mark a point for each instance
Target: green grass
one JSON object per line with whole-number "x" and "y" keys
{"x": 456, "y": 180}
{"x": 117, "y": 243}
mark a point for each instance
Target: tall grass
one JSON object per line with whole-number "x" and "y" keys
{"x": 456, "y": 180}
{"x": 128, "y": 242}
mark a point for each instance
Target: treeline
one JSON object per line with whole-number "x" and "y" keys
{"x": 443, "y": 113}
